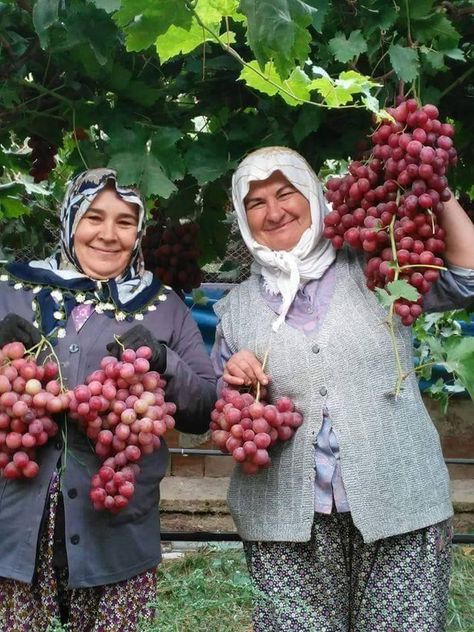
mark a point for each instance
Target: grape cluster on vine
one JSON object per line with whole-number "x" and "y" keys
{"x": 246, "y": 428}
{"x": 389, "y": 205}
{"x": 171, "y": 252}
{"x": 41, "y": 157}
{"x": 122, "y": 410}
{"x": 30, "y": 395}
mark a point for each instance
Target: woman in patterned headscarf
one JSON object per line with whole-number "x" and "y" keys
{"x": 59, "y": 558}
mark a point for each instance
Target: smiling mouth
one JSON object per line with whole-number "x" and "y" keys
{"x": 281, "y": 226}
{"x": 105, "y": 252}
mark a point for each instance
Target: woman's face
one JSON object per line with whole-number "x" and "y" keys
{"x": 277, "y": 213}
{"x": 105, "y": 235}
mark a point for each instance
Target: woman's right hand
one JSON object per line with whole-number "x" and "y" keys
{"x": 244, "y": 369}
{"x": 14, "y": 328}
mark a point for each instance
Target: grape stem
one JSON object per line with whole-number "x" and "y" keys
{"x": 265, "y": 358}
{"x": 401, "y": 374}
{"x": 421, "y": 265}
{"x": 119, "y": 342}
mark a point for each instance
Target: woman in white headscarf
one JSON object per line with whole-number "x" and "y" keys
{"x": 349, "y": 528}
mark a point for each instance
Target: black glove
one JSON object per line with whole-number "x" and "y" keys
{"x": 140, "y": 336}
{"x": 14, "y": 328}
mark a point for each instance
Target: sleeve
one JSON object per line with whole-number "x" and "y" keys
{"x": 453, "y": 290}
{"x": 191, "y": 383}
{"x": 220, "y": 353}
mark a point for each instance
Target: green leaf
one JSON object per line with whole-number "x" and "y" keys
{"x": 207, "y": 158}
{"x": 385, "y": 299}
{"x": 178, "y": 41}
{"x": 460, "y": 360}
{"x": 45, "y": 14}
{"x": 277, "y": 31}
{"x": 345, "y": 49}
{"x": 144, "y": 171}
{"x": 320, "y": 11}
{"x": 143, "y": 21}
{"x": 455, "y": 53}
{"x": 416, "y": 10}
{"x": 402, "y": 289}
{"x": 307, "y": 122}
{"x": 163, "y": 146}
{"x": 434, "y": 58}
{"x": 405, "y": 62}
{"x": 199, "y": 298}
{"x": 331, "y": 93}
{"x": 12, "y": 208}
{"x": 436, "y": 27}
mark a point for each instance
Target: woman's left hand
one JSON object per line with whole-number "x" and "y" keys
{"x": 140, "y": 336}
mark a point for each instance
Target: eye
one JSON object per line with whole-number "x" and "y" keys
{"x": 286, "y": 193}
{"x": 93, "y": 218}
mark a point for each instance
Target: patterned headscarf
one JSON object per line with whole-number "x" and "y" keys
{"x": 80, "y": 193}
{"x": 284, "y": 270}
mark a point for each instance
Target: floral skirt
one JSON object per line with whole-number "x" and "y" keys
{"x": 336, "y": 583}
{"x": 34, "y": 607}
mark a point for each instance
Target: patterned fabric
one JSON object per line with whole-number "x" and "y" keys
{"x": 336, "y": 583}
{"x": 80, "y": 314}
{"x": 80, "y": 193}
{"x": 113, "y": 608}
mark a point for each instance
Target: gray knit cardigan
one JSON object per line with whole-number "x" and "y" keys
{"x": 392, "y": 465}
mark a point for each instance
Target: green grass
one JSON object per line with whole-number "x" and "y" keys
{"x": 209, "y": 590}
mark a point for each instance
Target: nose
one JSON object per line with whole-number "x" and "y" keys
{"x": 107, "y": 231}
{"x": 274, "y": 210}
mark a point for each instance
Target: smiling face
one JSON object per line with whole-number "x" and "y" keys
{"x": 105, "y": 235}
{"x": 277, "y": 213}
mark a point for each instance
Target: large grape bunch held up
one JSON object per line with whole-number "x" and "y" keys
{"x": 246, "y": 428}
{"x": 122, "y": 409}
{"x": 389, "y": 205}
{"x": 30, "y": 395}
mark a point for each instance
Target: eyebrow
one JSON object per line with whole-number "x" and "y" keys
{"x": 125, "y": 214}
{"x": 248, "y": 200}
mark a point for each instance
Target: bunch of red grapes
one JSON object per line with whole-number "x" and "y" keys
{"x": 403, "y": 184}
{"x": 42, "y": 158}
{"x": 171, "y": 252}
{"x": 122, "y": 409}
{"x": 245, "y": 428}
{"x": 29, "y": 396}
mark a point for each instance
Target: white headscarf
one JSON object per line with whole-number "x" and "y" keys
{"x": 284, "y": 270}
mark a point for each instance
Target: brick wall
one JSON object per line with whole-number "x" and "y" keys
{"x": 456, "y": 430}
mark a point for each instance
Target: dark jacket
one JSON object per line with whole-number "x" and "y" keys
{"x": 102, "y": 548}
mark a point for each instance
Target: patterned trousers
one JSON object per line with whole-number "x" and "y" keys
{"x": 336, "y": 583}
{"x": 36, "y": 607}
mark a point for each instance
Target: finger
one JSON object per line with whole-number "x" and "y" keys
{"x": 240, "y": 368}
{"x": 231, "y": 379}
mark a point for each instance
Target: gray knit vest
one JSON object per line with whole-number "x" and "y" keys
{"x": 392, "y": 465}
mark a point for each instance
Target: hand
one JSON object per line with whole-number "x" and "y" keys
{"x": 140, "y": 336}
{"x": 14, "y": 328}
{"x": 243, "y": 368}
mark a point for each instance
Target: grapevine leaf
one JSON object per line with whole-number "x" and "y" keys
{"x": 293, "y": 90}
{"x": 435, "y": 26}
{"x": 405, "y": 62}
{"x": 455, "y": 53}
{"x": 345, "y": 49}
{"x": 416, "y": 10}
{"x": 207, "y": 159}
{"x": 320, "y": 11}
{"x": 434, "y": 58}
{"x": 45, "y": 14}
{"x": 277, "y": 31}
{"x": 143, "y": 21}
{"x": 11, "y": 208}
{"x": 333, "y": 94}
{"x": 163, "y": 146}
{"x": 308, "y": 121}
{"x": 385, "y": 299}
{"x": 460, "y": 360}
{"x": 144, "y": 171}
{"x": 402, "y": 289}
